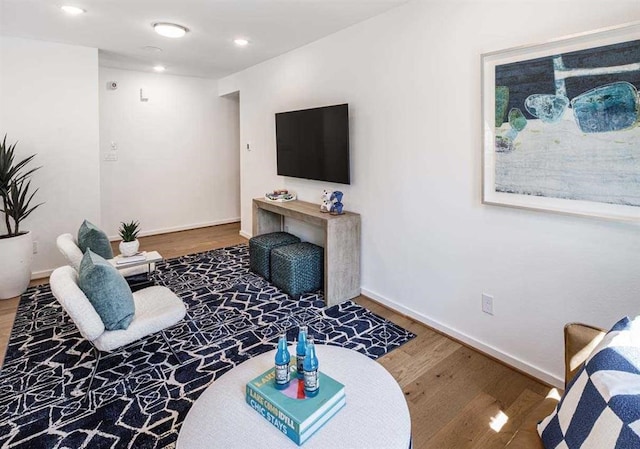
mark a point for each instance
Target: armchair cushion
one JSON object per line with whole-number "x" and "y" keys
{"x": 107, "y": 291}
{"x": 90, "y": 236}
{"x": 64, "y": 286}
{"x": 601, "y": 407}
{"x": 69, "y": 248}
{"x": 156, "y": 309}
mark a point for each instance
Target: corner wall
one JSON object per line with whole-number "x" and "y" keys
{"x": 178, "y": 162}
{"x": 429, "y": 247}
{"x": 49, "y": 104}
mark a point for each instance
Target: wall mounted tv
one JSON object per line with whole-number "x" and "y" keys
{"x": 314, "y": 143}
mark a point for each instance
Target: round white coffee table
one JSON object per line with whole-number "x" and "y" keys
{"x": 376, "y": 414}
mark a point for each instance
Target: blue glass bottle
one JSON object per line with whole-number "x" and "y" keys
{"x": 310, "y": 365}
{"x": 283, "y": 375}
{"x": 301, "y": 350}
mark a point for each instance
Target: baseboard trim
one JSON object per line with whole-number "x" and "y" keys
{"x": 115, "y": 238}
{"x": 487, "y": 349}
{"x": 246, "y": 235}
{"x": 41, "y": 274}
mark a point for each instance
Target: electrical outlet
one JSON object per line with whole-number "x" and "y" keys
{"x": 35, "y": 247}
{"x": 111, "y": 157}
{"x": 487, "y": 304}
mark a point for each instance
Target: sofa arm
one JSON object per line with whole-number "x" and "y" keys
{"x": 579, "y": 341}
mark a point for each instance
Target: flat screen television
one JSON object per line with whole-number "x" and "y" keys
{"x": 314, "y": 143}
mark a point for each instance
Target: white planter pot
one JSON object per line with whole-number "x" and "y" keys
{"x": 129, "y": 248}
{"x": 16, "y": 256}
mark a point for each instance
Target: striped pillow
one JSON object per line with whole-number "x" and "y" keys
{"x": 601, "y": 407}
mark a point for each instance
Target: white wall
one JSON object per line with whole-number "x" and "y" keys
{"x": 49, "y": 103}
{"x": 430, "y": 248}
{"x": 178, "y": 161}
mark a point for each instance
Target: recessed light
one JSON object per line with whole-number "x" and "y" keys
{"x": 170, "y": 29}
{"x": 159, "y": 68}
{"x": 73, "y": 10}
{"x": 241, "y": 42}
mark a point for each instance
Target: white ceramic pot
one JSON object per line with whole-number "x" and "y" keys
{"x": 129, "y": 248}
{"x": 16, "y": 256}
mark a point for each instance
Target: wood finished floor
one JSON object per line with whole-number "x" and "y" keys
{"x": 453, "y": 392}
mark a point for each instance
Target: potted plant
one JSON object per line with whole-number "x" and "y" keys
{"x": 129, "y": 233}
{"x": 16, "y": 246}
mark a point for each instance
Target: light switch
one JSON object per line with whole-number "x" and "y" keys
{"x": 114, "y": 145}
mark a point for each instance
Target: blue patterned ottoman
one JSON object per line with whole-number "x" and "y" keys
{"x": 260, "y": 248}
{"x": 297, "y": 268}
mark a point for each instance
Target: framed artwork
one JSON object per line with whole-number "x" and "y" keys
{"x": 561, "y": 125}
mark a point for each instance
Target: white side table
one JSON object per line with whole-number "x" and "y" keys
{"x": 151, "y": 257}
{"x": 376, "y": 414}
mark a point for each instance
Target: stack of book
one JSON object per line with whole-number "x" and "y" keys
{"x": 123, "y": 260}
{"x": 296, "y": 416}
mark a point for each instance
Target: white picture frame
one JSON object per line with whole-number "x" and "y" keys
{"x": 553, "y": 164}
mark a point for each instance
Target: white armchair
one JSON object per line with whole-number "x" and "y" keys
{"x": 68, "y": 246}
{"x": 156, "y": 308}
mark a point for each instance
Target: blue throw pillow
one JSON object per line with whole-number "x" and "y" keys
{"x": 601, "y": 407}
{"x": 91, "y": 237}
{"x": 107, "y": 291}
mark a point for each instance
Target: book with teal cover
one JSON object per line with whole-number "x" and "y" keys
{"x": 294, "y": 414}
{"x": 283, "y": 426}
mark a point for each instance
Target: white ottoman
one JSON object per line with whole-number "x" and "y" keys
{"x": 376, "y": 414}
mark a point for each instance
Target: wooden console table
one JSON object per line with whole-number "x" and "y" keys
{"x": 341, "y": 242}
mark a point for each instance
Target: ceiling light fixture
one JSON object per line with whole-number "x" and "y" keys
{"x": 241, "y": 42}
{"x": 73, "y": 10}
{"x": 170, "y": 29}
{"x": 159, "y": 68}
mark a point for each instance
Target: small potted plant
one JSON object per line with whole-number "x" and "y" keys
{"x": 129, "y": 233}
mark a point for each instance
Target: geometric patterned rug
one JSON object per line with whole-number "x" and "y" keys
{"x": 140, "y": 394}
